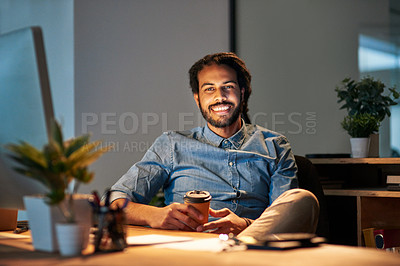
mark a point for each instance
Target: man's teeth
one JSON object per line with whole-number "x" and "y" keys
{"x": 220, "y": 108}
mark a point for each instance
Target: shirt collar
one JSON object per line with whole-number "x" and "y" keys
{"x": 236, "y": 140}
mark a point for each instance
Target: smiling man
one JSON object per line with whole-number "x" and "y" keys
{"x": 249, "y": 171}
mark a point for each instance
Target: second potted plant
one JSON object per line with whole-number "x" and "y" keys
{"x": 367, "y": 96}
{"x": 360, "y": 127}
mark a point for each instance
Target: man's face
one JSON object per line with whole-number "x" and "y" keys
{"x": 219, "y": 97}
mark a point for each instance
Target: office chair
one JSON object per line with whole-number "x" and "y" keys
{"x": 308, "y": 179}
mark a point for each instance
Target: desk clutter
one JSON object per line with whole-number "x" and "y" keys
{"x": 393, "y": 182}
{"x": 284, "y": 241}
{"x": 387, "y": 239}
{"x": 148, "y": 246}
{"x": 109, "y": 235}
{"x": 224, "y": 242}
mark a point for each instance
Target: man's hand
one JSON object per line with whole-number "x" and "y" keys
{"x": 176, "y": 216}
{"x": 230, "y": 223}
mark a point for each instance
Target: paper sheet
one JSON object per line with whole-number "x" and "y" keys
{"x": 4, "y": 235}
{"x": 208, "y": 244}
{"x": 153, "y": 239}
{"x": 184, "y": 243}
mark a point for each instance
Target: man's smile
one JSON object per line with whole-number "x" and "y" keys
{"x": 221, "y": 108}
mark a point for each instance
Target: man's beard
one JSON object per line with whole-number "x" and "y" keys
{"x": 222, "y": 122}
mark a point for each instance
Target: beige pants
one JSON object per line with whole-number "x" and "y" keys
{"x": 295, "y": 211}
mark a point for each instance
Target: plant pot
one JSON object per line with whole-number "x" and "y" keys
{"x": 359, "y": 147}
{"x": 42, "y": 219}
{"x": 70, "y": 238}
{"x": 374, "y": 146}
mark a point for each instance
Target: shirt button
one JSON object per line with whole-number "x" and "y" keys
{"x": 230, "y": 163}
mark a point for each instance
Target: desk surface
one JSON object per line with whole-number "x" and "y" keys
{"x": 20, "y": 252}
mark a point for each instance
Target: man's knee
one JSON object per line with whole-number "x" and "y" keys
{"x": 303, "y": 208}
{"x": 302, "y": 199}
{"x": 295, "y": 211}
{"x": 304, "y": 196}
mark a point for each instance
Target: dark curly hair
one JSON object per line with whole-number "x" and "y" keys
{"x": 231, "y": 60}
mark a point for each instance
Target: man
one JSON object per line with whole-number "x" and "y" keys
{"x": 245, "y": 167}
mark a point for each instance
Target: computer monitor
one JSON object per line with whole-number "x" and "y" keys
{"x": 26, "y": 108}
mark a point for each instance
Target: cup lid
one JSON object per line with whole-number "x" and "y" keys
{"x": 197, "y": 196}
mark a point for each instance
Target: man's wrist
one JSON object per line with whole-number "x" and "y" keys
{"x": 248, "y": 221}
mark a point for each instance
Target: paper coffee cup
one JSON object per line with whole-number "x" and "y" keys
{"x": 200, "y": 200}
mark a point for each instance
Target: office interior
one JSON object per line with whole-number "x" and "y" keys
{"x": 118, "y": 69}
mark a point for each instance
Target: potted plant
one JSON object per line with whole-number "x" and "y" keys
{"x": 366, "y": 96}
{"x": 56, "y": 166}
{"x": 360, "y": 126}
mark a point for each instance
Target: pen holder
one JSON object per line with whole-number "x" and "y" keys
{"x": 110, "y": 234}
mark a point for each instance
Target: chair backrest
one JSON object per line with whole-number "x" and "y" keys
{"x": 308, "y": 179}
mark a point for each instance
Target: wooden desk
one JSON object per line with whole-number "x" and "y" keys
{"x": 20, "y": 252}
{"x": 357, "y": 197}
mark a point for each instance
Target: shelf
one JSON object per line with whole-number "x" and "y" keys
{"x": 355, "y": 160}
{"x": 363, "y": 192}
{"x": 362, "y": 208}
{"x": 357, "y": 197}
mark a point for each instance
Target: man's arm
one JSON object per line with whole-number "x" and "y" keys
{"x": 174, "y": 216}
{"x": 141, "y": 183}
{"x": 284, "y": 176}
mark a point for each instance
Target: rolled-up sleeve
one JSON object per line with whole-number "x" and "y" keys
{"x": 284, "y": 175}
{"x": 144, "y": 179}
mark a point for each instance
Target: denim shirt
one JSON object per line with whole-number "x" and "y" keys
{"x": 244, "y": 173}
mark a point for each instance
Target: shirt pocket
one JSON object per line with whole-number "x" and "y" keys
{"x": 255, "y": 172}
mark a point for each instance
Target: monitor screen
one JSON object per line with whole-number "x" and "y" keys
{"x": 25, "y": 107}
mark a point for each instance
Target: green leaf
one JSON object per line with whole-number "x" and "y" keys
{"x": 57, "y": 135}
{"x": 83, "y": 175}
{"x": 55, "y": 196}
{"x": 346, "y": 80}
{"x": 29, "y": 155}
{"x": 75, "y": 144}
{"x": 395, "y": 93}
{"x": 92, "y": 157}
{"x": 361, "y": 125}
{"x": 85, "y": 155}
{"x": 366, "y": 96}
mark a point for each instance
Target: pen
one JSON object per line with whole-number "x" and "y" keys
{"x": 107, "y": 200}
{"x": 96, "y": 197}
{"x": 94, "y": 205}
{"x": 21, "y": 230}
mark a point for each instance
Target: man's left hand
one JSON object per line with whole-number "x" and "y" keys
{"x": 229, "y": 223}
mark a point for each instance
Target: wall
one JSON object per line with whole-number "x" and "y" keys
{"x": 131, "y": 63}
{"x": 298, "y": 51}
{"x": 128, "y": 66}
